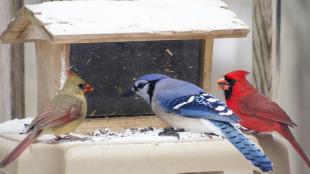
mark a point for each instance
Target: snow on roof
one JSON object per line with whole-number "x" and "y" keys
{"x": 84, "y": 21}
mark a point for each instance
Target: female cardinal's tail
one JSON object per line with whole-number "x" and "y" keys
{"x": 286, "y": 133}
{"x": 20, "y": 148}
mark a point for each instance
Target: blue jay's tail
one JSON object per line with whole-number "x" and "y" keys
{"x": 245, "y": 146}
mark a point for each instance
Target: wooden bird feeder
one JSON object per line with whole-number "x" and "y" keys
{"x": 55, "y": 26}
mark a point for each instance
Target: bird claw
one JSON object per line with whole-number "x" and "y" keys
{"x": 171, "y": 132}
{"x": 250, "y": 132}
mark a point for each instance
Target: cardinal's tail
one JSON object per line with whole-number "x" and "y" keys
{"x": 286, "y": 133}
{"x": 20, "y": 148}
{"x": 245, "y": 146}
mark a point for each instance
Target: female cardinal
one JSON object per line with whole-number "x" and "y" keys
{"x": 64, "y": 114}
{"x": 256, "y": 111}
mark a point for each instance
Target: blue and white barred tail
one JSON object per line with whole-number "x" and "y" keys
{"x": 245, "y": 146}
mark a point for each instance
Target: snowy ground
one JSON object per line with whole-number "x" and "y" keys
{"x": 17, "y": 127}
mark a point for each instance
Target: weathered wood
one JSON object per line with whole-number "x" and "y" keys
{"x": 32, "y": 33}
{"x": 119, "y": 123}
{"x": 15, "y": 27}
{"x": 206, "y": 64}
{"x": 150, "y": 36}
{"x": 266, "y": 64}
{"x": 5, "y": 53}
{"x": 52, "y": 62}
{"x": 17, "y": 72}
{"x": 17, "y": 81}
{"x": 62, "y": 28}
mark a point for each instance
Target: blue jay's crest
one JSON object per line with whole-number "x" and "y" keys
{"x": 201, "y": 105}
{"x": 152, "y": 77}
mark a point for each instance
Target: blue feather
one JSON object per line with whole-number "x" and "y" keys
{"x": 245, "y": 146}
{"x": 200, "y": 106}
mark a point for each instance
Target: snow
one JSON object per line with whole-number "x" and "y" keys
{"x": 136, "y": 16}
{"x": 14, "y": 128}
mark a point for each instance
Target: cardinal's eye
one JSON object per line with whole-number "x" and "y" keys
{"x": 81, "y": 86}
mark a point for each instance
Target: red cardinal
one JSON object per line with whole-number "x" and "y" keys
{"x": 256, "y": 111}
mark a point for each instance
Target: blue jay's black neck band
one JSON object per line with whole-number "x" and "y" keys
{"x": 151, "y": 89}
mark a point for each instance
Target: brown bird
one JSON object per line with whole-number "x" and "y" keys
{"x": 63, "y": 114}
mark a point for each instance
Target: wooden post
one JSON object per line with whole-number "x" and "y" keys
{"x": 266, "y": 68}
{"x": 17, "y": 72}
{"x": 52, "y": 62}
{"x": 206, "y": 64}
{"x": 266, "y": 58}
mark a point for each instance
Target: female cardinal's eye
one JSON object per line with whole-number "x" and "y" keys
{"x": 81, "y": 86}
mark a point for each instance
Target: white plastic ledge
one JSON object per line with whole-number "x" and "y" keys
{"x": 132, "y": 156}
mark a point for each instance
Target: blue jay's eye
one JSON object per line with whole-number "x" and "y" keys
{"x": 141, "y": 85}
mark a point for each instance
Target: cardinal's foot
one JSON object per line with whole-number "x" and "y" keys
{"x": 250, "y": 132}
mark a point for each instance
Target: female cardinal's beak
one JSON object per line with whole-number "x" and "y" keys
{"x": 223, "y": 84}
{"x": 88, "y": 88}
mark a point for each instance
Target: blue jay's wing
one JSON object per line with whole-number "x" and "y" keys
{"x": 201, "y": 105}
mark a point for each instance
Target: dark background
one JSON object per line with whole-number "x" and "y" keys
{"x": 112, "y": 68}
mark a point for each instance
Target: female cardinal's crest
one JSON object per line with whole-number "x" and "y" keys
{"x": 238, "y": 74}
{"x": 71, "y": 73}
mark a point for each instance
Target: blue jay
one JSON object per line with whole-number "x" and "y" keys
{"x": 186, "y": 106}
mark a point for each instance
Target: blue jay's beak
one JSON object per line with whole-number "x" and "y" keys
{"x": 128, "y": 93}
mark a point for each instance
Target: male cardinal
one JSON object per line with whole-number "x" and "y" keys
{"x": 63, "y": 114}
{"x": 256, "y": 111}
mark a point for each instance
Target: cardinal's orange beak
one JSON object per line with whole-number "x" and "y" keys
{"x": 88, "y": 88}
{"x": 223, "y": 84}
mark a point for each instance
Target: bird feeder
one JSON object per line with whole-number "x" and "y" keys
{"x": 57, "y": 27}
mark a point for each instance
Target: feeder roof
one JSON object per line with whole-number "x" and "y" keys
{"x": 132, "y": 20}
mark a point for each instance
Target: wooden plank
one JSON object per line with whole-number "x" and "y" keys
{"x": 5, "y": 54}
{"x": 119, "y": 123}
{"x": 206, "y": 64}
{"x": 61, "y": 28}
{"x": 17, "y": 70}
{"x": 32, "y": 32}
{"x": 52, "y": 62}
{"x": 15, "y": 27}
{"x": 24, "y": 28}
{"x": 266, "y": 63}
{"x": 17, "y": 81}
{"x": 143, "y": 19}
{"x": 93, "y": 38}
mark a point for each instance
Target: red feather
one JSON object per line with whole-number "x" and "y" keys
{"x": 20, "y": 148}
{"x": 259, "y": 113}
{"x": 51, "y": 116}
